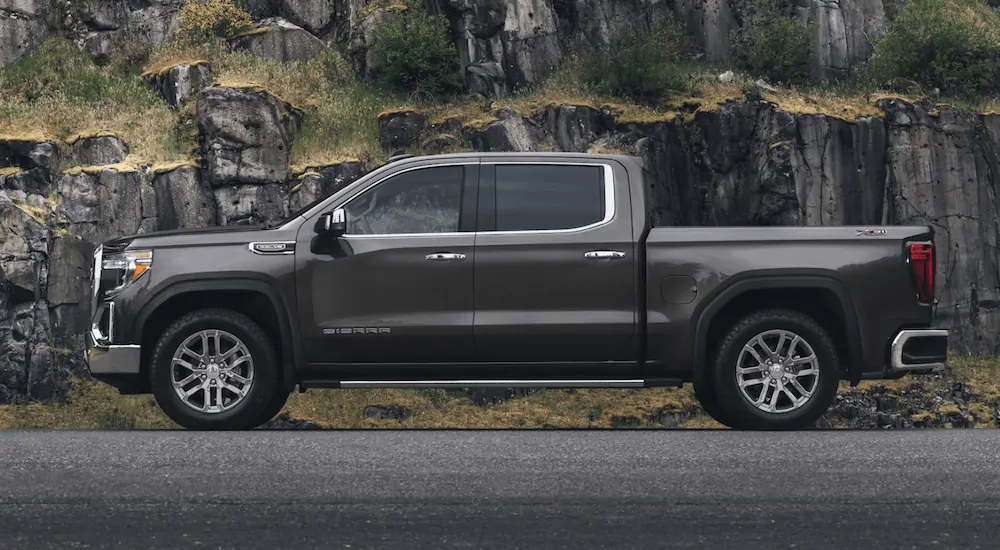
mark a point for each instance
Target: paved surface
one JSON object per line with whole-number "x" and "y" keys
{"x": 538, "y": 489}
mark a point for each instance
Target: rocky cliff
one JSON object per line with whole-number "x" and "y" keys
{"x": 726, "y": 155}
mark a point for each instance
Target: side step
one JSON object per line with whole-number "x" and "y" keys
{"x": 585, "y": 383}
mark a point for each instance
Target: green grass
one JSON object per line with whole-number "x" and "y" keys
{"x": 57, "y": 93}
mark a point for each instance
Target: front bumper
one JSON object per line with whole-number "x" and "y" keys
{"x": 115, "y": 359}
{"x": 920, "y": 349}
{"x": 102, "y": 355}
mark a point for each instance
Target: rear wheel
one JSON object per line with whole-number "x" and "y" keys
{"x": 776, "y": 370}
{"x": 215, "y": 369}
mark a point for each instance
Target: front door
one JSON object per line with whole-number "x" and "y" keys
{"x": 397, "y": 288}
{"x": 555, "y": 264}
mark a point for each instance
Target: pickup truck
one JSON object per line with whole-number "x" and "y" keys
{"x": 509, "y": 270}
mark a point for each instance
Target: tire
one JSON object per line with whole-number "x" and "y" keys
{"x": 818, "y": 372}
{"x": 278, "y": 401}
{"x": 707, "y": 398}
{"x": 256, "y": 374}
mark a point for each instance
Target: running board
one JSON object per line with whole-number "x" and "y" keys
{"x": 586, "y": 383}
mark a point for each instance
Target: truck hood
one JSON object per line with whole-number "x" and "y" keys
{"x": 200, "y": 236}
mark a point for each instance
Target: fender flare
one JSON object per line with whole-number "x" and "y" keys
{"x": 252, "y": 285}
{"x": 852, "y": 324}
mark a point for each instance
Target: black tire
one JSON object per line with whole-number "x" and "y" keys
{"x": 745, "y": 415}
{"x": 244, "y": 415}
{"x": 278, "y": 401}
{"x": 709, "y": 401}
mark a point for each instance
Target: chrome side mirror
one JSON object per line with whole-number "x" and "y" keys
{"x": 332, "y": 223}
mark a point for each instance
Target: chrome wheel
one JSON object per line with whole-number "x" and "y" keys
{"x": 212, "y": 371}
{"x": 777, "y": 371}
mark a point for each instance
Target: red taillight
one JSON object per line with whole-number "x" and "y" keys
{"x": 921, "y": 260}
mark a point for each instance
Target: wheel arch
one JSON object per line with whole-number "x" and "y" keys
{"x": 171, "y": 302}
{"x": 742, "y": 292}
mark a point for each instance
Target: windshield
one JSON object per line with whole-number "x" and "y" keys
{"x": 311, "y": 205}
{"x": 297, "y": 213}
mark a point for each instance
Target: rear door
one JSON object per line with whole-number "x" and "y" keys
{"x": 397, "y": 288}
{"x": 555, "y": 263}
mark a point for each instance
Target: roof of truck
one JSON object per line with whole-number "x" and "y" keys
{"x": 527, "y": 154}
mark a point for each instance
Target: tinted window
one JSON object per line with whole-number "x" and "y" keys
{"x": 539, "y": 197}
{"x": 427, "y": 200}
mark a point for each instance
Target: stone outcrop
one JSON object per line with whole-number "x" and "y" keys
{"x": 846, "y": 30}
{"x": 401, "y": 129}
{"x": 183, "y": 199}
{"x": 24, "y": 24}
{"x": 322, "y": 181}
{"x": 279, "y": 40}
{"x": 179, "y": 85}
{"x": 99, "y": 150}
{"x": 246, "y": 135}
{"x": 98, "y": 205}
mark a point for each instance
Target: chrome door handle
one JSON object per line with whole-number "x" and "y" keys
{"x": 444, "y": 256}
{"x": 603, "y": 254}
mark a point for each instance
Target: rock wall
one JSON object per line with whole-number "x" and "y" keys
{"x": 504, "y": 45}
{"x": 744, "y": 162}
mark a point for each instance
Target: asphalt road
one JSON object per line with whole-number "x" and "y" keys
{"x": 500, "y": 489}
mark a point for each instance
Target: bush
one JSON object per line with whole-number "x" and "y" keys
{"x": 413, "y": 54}
{"x": 203, "y": 21}
{"x": 772, "y": 44}
{"x": 952, "y": 45}
{"x": 642, "y": 66}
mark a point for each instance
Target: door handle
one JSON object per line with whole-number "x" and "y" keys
{"x": 603, "y": 254}
{"x": 444, "y": 256}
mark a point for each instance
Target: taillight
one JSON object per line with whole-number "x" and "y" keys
{"x": 920, "y": 256}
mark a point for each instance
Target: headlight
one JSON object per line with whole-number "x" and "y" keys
{"x": 121, "y": 269}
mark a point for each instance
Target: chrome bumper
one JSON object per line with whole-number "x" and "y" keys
{"x": 923, "y": 349}
{"x": 102, "y": 356}
{"x": 123, "y": 359}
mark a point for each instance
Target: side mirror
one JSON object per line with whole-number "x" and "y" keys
{"x": 332, "y": 223}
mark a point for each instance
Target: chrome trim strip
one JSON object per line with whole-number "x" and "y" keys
{"x": 392, "y": 175}
{"x": 100, "y": 339}
{"x": 610, "y": 206}
{"x": 904, "y": 336}
{"x": 609, "y": 199}
{"x": 628, "y": 383}
{"x": 95, "y": 277}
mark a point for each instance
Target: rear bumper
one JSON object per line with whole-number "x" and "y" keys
{"x": 922, "y": 349}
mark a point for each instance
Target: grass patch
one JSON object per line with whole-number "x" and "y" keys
{"x": 339, "y": 113}
{"x": 57, "y": 94}
{"x": 90, "y": 405}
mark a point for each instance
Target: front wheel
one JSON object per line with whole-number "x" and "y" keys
{"x": 776, "y": 370}
{"x": 215, "y": 369}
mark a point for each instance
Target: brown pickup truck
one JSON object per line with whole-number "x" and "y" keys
{"x": 509, "y": 270}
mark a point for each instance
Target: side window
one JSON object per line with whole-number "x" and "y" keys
{"x": 535, "y": 197}
{"x": 426, "y": 200}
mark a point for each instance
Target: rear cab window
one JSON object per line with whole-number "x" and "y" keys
{"x": 551, "y": 197}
